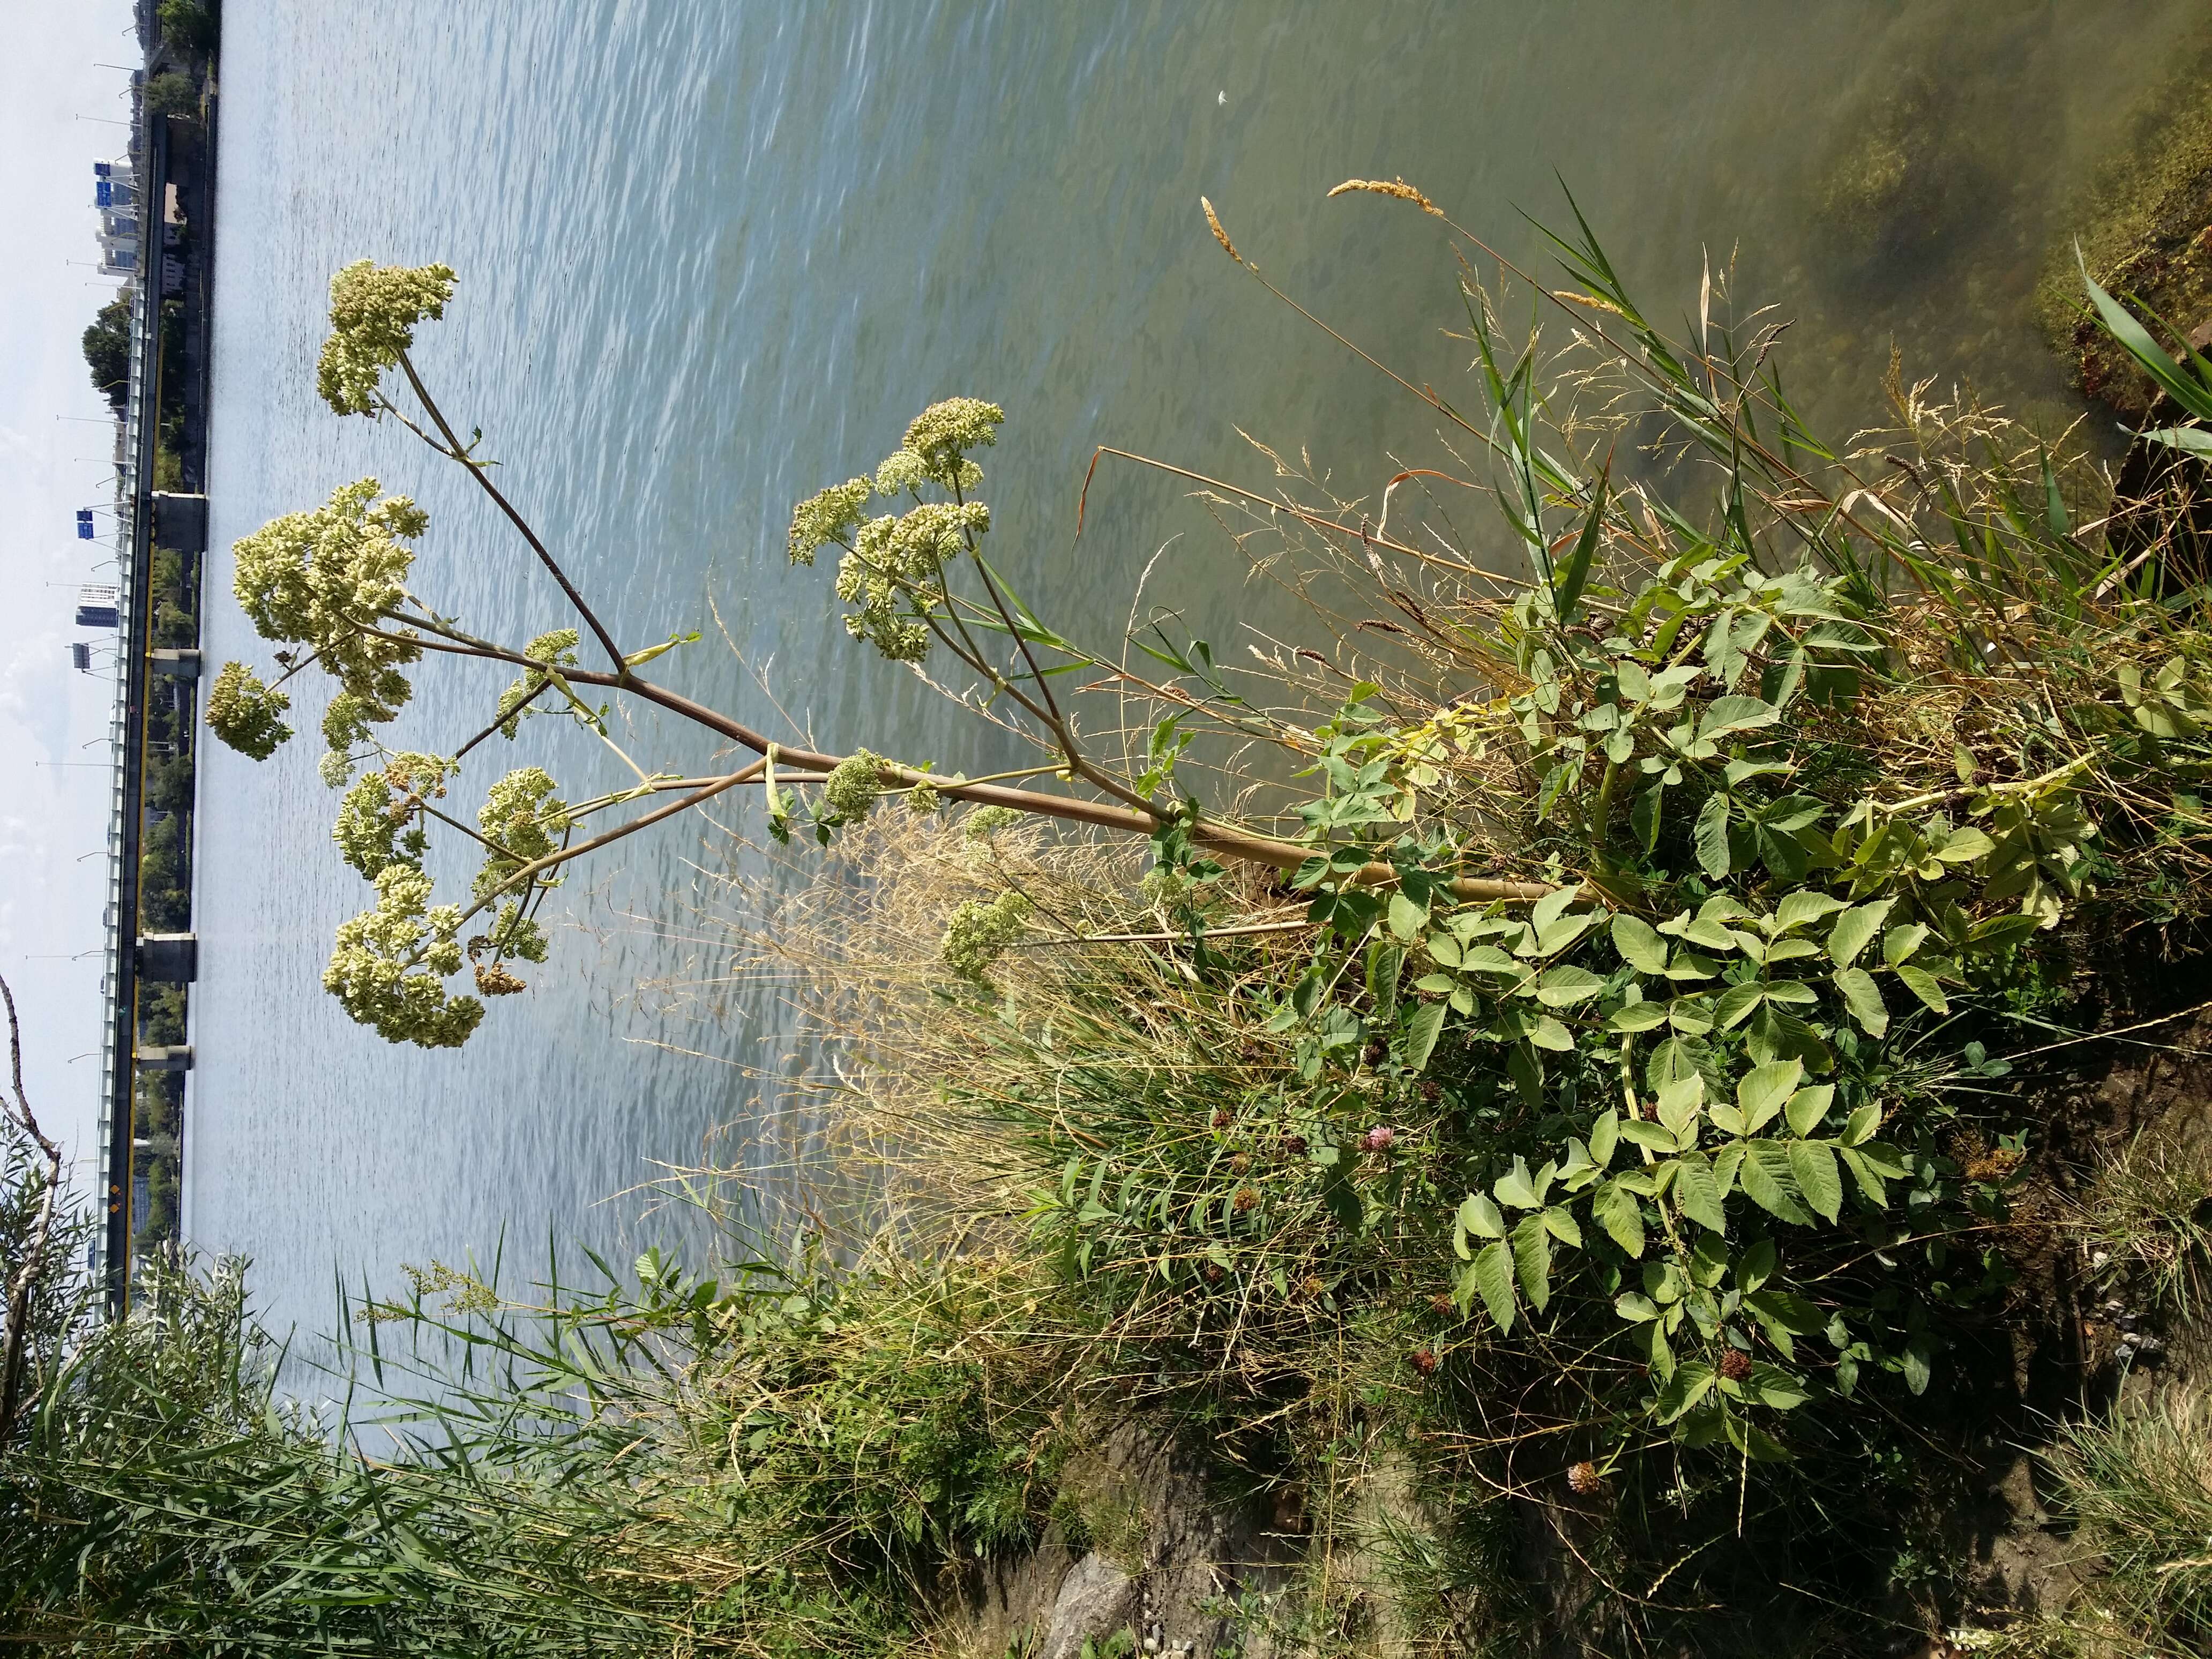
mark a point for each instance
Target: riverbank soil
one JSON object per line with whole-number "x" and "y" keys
{"x": 2143, "y": 227}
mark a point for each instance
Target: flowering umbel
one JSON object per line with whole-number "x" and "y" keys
{"x": 389, "y": 965}
{"x": 893, "y": 572}
{"x": 327, "y": 579}
{"x": 245, "y": 713}
{"x": 374, "y": 311}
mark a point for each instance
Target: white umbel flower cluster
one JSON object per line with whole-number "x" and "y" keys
{"x": 389, "y": 966}
{"x": 374, "y": 311}
{"x": 319, "y": 579}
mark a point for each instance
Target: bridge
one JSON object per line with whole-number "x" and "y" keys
{"x": 174, "y": 265}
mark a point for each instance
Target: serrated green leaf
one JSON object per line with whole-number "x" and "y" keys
{"x": 1776, "y": 1388}
{"x": 1807, "y": 1106}
{"x": 1855, "y": 930}
{"x": 1516, "y": 1188}
{"x": 1697, "y": 1197}
{"x": 1691, "y": 1381}
{"x": 1710, "y": 838}
{"x": 1634, "y": 1307}
{"x": 1565, "y": 985}
{"x": 1604, "y": 1136}
{"x": 1736, "y": 1004}
{"x": 1922, "y": 984}
{"x": 1870, "y": 1178}
{"x": 1639, "y": 945}
{"x": 1899, "y": 943}
{"x": 1562, "y": 1226}
{"x": 1864, "y": 998}
{"x": 1615, "y": 1209}
{"x": 1480, "y": 1217}
{"x": 1919, "y": 1363}
{"x": 1636, "y": 1016}
{"x": 1406, "y": 919}
{"x": 1812, "y": 1162}
{"x": 1421, "y": 1031}
{"x": 1492, "y": 1274}
{"x": 1532, "y": 1261}
{"x": 1761, "y": 1091}
{"x": 1861, "y": 1125}
{"x": 1725, "y": 714}
{"x": 1767, "y": 1181}
{"x": 1801, "y": 907}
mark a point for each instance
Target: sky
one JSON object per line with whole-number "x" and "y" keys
{"x": 53, "y": 810}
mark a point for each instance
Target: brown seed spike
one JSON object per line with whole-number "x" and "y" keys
{"x": 1584, "y": 1479}
{"x": 1397, "y": 187}
{"x": 1220, "y": 234}
{"x": 1735, "y": 1364}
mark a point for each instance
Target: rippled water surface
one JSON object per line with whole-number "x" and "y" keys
{"x": 714, "y": 254}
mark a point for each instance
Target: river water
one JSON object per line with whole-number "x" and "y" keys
{"x": 714, "y": 254}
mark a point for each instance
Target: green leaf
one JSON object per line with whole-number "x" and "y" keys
{"x": 1864, "y": 998}
{"x": 1492, "y": 1273}
{"x": 1516, "y": 1188}
{"x": 1657, "y": 1137}
{"x": 1615, "y": 1209}
{"x": 1807, "y": 1106}
{"x": 1861, "y": 1125}
{"x": 1711, "y": 837}
{"x": 1671, "y": 1060}
{"x": 1801, "y": 907}
{"x": 1855, "y": 930}
{"x": 1691, "y": 1381}
{"x": 1527, "y": 1072}
{"x": 1763, "y": 1089}
{"x": 1919, "y": 1363}
{"x": 1604, "y": 1136}
{"x": 1767, "y": 1180}
{"x": 1568, "y": 578}
{"x": 1696, "y": 1195}
{"x": 1565, "y": 985}
{"x": 1776, "y": 1388}
{"x": 1634, "y": 1307}
{"x": 2136, "y": 342}
{"x": 1814, "y": 1164}
{"x": 1532, "y": 1261}
{"x": 1725, "y": 714}
{"x": 1406, "y": 919}
{"x": 1899, "y": 943}
{"x": 1756, "y": 1267}
{"x": 1922, "y": 984}
{"x": 1636, "y": 1016}
{"x": 1421, "y": 1032}
{"x": 1677, "y": 1107}
{"x": 1479, "y": 1216}
{"x": 1870, "y": 1178}
{"x": 1735, "y": 1005}
{"x": 1640, "y": 947}
{"x": 1562, "y": 1226}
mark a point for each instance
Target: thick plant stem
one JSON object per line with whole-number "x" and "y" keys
{"x": 1213, "y": 837}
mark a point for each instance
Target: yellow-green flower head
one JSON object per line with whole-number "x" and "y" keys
{"x": 245, "y": 713}
{"x": 318, "y": 578}
{"x": 979, "y": 933}
{"x": 824, "y": 518}
{"x": 893, "y": 572}
{"x": 374, "y": 311}
{"x": 388, "y": 965}
{"x": 378, "y": 824}
{"x": 852, "y": 786}
{"x": 523, "y": 815}
{"x": 943, "y": 432}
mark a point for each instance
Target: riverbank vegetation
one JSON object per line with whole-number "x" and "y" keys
{"x": 1569, "y": 1096}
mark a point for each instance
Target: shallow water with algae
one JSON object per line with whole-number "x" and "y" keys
{"x": 713, "y": 256}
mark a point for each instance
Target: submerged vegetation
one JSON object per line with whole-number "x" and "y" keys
{"x": 1541, "y": 1087}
